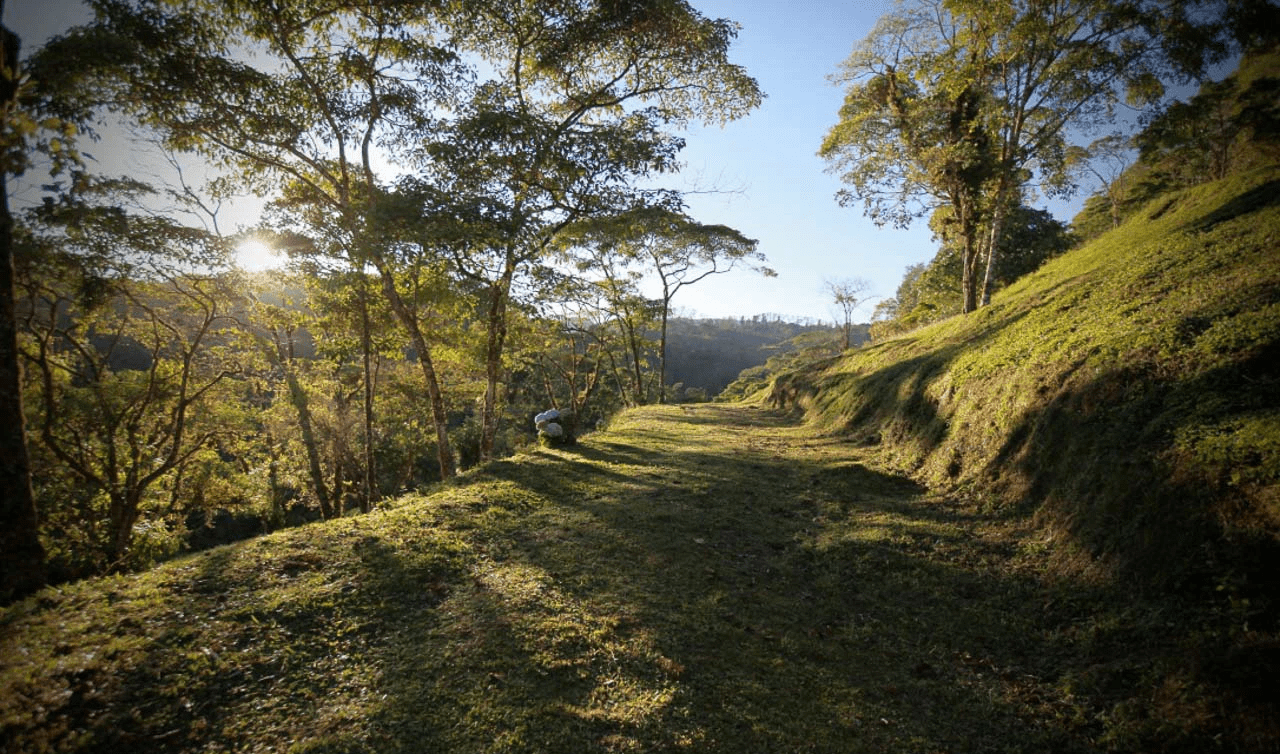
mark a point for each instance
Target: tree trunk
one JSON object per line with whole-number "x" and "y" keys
{"x": 283, "y": 357}
{"x": 444, "y": 451}
{"x": 122, "y": 514}
{"x": 968, "y": 256}
{"x": 662, "y": 354}
{"x": 993, "y": 244}
{"x": 298, "y": 396}
{"x": 368, "y": 493}
{"x": 22, "y": 558}
{"x": 339, "y": 494}
{"x": 498, "y": 295}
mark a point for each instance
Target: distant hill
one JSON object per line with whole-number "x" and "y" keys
{"x": 708, "y": 354}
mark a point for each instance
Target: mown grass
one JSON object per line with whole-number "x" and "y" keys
{"x": 715, "y": 579}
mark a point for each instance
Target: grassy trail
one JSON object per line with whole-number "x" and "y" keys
{"x": 711, "y": 579}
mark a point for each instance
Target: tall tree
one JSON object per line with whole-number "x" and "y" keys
{"x": 911, "y": 135}
{"x": 677, "y": 251}
{"x": 1013, "y": 76}
{"x": 1107, "y": 160}
{"x": 315, "y": 96}
{"x": 848, "y": 295}
{"x": 572, "y": 110}
{"x": 22, "y": 558}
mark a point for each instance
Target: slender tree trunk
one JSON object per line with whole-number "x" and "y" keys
{"x": 498, "y": 296}
{"x": 638, "y": 394}
{"x": 22, "y": 558}
{"x": 368, "y": 493}
{"x": 993, "y": 246}
{"x": 968, "y": 255}
{"x": 444, "y": 451}
{"x": 298, "y": 396}
{"x": 282, "y": 355}
{"x": 662, "y": 355}
{"x": 122, "y": 514}
{"x": 339, "y": 494}
{"x": 273, "y": 485}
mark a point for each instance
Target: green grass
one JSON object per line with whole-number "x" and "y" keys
{"x": 715, "y": 579}
{"x": 1128, "y": 392}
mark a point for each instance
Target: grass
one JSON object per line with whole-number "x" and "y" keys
{"x": 716, "y": 579}
{"x": 1127, "y": 393}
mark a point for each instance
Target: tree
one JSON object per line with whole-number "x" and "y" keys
{"x": 570, "y": 116}
{"x": 1107, "y": 159}
{"x": 848, "y": 295}
{"x": 968, "y": 102}
{"x": 22, "y": 557}
{"x": 331, "y": 91}
{"x": 614, "y": 294}
{"x": 1192, "y": 142}
{"x": 126, "y": 348}
{"x": 911, "y": 134}
{"x": 678, "y": 251}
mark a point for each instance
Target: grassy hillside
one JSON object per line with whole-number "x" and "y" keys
{"x": 711, "y": 579}
{"x": 1127, "y": 394}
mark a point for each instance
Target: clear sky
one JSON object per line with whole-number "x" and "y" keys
{"x": 787, "y": 200}
{"x": 777, "y": 190}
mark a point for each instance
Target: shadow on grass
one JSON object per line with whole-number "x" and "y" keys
{"x": 758, "y": 604}
{"x": 1266, "y": 195}
{"x": 649, "y": 592}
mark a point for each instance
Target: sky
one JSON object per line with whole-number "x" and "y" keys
{"x": 772, "y": 186}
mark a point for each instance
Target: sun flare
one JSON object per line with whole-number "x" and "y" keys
{"x": 253, "y": 255}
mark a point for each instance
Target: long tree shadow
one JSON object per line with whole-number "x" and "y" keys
{"x": 642, "y": 592}
{"x": 771, "y": 619}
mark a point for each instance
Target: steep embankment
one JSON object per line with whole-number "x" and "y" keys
{"x": 1128, "y": 393}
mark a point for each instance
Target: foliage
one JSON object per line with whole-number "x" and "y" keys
{"x": 128, "y": 353}
{"x": 671, "y": 247}
{"x": 1227, "y": 127}
{"x": 930, "y": 292}
{"x": 964, "y": 104}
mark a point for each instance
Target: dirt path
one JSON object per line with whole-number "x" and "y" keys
{"x": 775, "y": 591}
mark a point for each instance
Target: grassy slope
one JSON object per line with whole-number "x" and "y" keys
{"x": 707, "y": 579}
{"x": 711, "y": 579}
{"x": 1128, "y": 393}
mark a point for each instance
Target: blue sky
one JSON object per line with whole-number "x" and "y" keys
{"x": 788, "y": 200}
{"x": 777, "y": 190}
